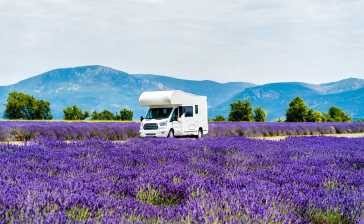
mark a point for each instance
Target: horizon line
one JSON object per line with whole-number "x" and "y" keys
{"x": 176, "y": 76}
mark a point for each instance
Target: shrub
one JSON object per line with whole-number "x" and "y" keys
{"x": 327, "y": 217}
{"x": 74, "y": 113}
{"x": 105, "y": 115}
{"x": 241, "y": 111}
{"x": 154, "y": 197}
{"x": 337, "y": 115}
{"x": 260, "y": 115}
{"x": 314, "y": 116}
{"x": 78, "y": 214}
{"x": 125, "y": 115}
{"x": 22, "y": 106}
{"x": 297, "y": 110}
{"x": 219, "y": 118}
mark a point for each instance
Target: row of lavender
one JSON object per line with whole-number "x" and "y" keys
{"x": 257, "y": 129}
{"x": 21, "y": 131}
{"x": 215, "y": 180}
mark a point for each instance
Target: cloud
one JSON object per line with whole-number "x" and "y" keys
{"x": 246, "y": 40}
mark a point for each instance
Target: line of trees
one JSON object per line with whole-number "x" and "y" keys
{"x": 297, "y": 111}
{"x": 243, "y": 111}
{"x": 21, "y": 106}
{"x": 123, "y": 115}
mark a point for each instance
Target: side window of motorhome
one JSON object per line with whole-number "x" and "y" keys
{"x": 187, "y": 110}
{"x": 196, "y": 109}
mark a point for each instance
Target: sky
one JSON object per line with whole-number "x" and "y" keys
{"x": 223, "y": 40}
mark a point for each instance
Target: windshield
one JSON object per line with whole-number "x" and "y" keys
{"x": 158, "y": 113}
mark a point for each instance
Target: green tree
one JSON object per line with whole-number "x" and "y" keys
{"x": 105, "y": 115}
{"x": 338, "y": 115}
{"x": 74, "y": 113}
{"x": 23, "y": 106}
{"x": 241, "y": 111}
{"x": 125, "y": 115}
{"x": 43, "y": 110}
{"x": 314, "y": 116}
{"x": 297, "y": 111}
{"x": 219, "y": 118}
{"x": 260, "y": 115}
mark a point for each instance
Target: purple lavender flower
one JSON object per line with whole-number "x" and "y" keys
{"x": 224, "y": 180}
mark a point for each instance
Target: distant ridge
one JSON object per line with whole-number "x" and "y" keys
{"x": 97, "y": 87}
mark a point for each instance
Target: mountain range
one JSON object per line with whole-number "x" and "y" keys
{"x": 97, "y": 88}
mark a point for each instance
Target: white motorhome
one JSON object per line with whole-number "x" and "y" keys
{"x": 173, "y": 113}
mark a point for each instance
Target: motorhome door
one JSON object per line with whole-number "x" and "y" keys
{"x": 188, "y": 121}
{"x": 176, "y": 124}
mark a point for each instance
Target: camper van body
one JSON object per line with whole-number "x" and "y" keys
{"x": 173, "y": 113}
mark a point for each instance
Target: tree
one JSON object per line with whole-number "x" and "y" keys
{"x": 219, "y": 118}
{"x": 338, "y": 115}
{"x": 297, "y": 111}
{"x": 260, "y": 115}
{"x": 241, "y": 111}
{"x": 125, "y": 115}
{"x": 43, "y": 110}
{"x": 23, "y": 106}
{"x": 74, "y": 113}
{"x": 314, "y": 116}
{"x": 103, "y": 116}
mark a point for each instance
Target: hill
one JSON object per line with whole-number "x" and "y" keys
{"x": 98, "y": 87}
{"x": 274, "y": 98}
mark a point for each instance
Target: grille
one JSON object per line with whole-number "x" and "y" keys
{"x": 151, "y": 126}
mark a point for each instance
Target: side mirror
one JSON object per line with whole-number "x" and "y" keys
{"x": 181, "y": 117}
{"x": 141, "y": 118}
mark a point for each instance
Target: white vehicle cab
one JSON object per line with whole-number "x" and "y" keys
{"x": 173, "y": 113}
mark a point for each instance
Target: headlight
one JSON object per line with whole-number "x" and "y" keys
{"x": 162, "y": 124}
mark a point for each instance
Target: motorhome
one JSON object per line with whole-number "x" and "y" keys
{"x": 173, "y": 113}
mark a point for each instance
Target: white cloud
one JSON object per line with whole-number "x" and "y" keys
{"x": 233, "y": 40}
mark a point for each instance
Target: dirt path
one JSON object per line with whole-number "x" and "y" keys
{"x": 279, "y": 138}
{"x": 270, "y": 138}
{"x": 22, "y": 143}
{"x": 19, "y": 143}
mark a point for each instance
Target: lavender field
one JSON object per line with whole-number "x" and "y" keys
{"x": 214, "y": 180}
{"x": 25, "y": 131}
{"x": 223, "y": 178}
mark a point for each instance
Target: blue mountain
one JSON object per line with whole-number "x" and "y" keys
{"x": 97, "y": 88}
{"x": 274, "y": 98}
{"x": 349, "y": 84}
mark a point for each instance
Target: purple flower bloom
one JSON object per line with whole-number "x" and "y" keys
{"x": 224, "y": 180}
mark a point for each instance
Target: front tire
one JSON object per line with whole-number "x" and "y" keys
{"x": 170, "y": 134}
{"x": 199, "y": 134}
